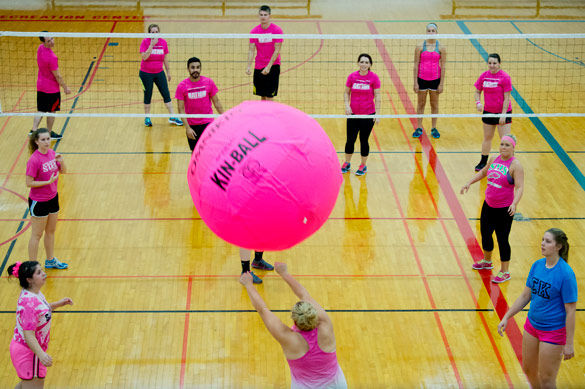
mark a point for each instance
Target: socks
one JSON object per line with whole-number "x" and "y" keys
{"x": 245, "y": 266}
{"x": 258, "y": 255}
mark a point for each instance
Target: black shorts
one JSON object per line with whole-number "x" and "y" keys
{"x": 198, "y": 128}
{"x": 428, "y": 84}
{"x": 266, "y": 85}
{"x": 495, "y": 121}
{"x": 48, "y": 102}
{"x": 43, "y": 208}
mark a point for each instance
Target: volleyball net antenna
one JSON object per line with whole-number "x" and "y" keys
{"x": 101, "y": 69}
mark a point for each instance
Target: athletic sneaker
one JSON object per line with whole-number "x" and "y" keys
{"x": 480, "y": 166}
{"x": 435, "y": 133}
{"x": 361, "y": 170}
{"x": 255, "y": 278}
{"x": 176, "y": 121}
{"x": 482, "y": 265}
{"x": 501, "y": 277}
{"x": 55, "y": 264}
{"x": 262, "y": 265}
{"x": 147, "y": 122}
{"x": 417, "y": 133}
{"x": 55, "y": 136}
{"x": 345, "y": 167}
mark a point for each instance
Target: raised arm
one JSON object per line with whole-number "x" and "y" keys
{"x": 518, "y": 305}
{"x": 61, "y": 303}
{"x": 275, "y": 326}
{"x": 299, "y": 290}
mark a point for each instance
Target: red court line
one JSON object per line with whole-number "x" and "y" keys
{"x": 494, "y": 291}
{"x": 204, "y": 276}
{"x": 13, "y": 108}
{"x": 454, "y": 251}
{"x": 185, "y": 334}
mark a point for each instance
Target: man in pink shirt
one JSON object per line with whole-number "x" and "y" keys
{"x": 194, "y": 96}
{"x": 48, "y": 82}
{"x": 267, "y": 63}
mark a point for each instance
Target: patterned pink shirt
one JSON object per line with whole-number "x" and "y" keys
{"x": 494, "y": 86}
{"x": 362, "y": 92}
{"x": 154, "y": 62}
{"x": 33, "y": 313}
{"x": 197, "y": 97}
{"x": 48, "y": 63}
{"x": 265, "y": 46}
{"x": 500, "y": 184}
{"x": 41, "y": 167}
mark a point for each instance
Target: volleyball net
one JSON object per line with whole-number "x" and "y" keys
{"x": 547, "y": 71}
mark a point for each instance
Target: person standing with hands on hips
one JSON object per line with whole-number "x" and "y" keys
{"x": 549, "y": 331}
{"x": 267, "y": 63}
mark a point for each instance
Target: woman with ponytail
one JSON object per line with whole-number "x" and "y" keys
{"x": 309, "y": 346}
{"x": 551, "y": 290}
{"x": 28, "y": 349}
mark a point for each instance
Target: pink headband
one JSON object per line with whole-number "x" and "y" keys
{"x": 16, "y": 268}
{"x": 509, "y": 139}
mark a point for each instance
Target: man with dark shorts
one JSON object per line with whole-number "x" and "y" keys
{"x": 194, "y": 96}
{"x": 49, "y": 81}
{"x": 267, "y": 63}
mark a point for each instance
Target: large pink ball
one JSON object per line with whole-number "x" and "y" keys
{"x": 264, "y": 176}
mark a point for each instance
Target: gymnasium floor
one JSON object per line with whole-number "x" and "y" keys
{"x": 157, "y": 301}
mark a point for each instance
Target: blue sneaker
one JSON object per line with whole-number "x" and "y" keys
{"x": 417, "y": 133}
{"x": 435, "y": 133}
{"x": 147, "y": 122}
{"x": 255, "y": 278}
{"x": 55, "y": 264}
{"x": 361, "y": 170}
{"x": 176, "y": 121}
{"x": 262, "y": 265}
{"x": 345, "y": 167}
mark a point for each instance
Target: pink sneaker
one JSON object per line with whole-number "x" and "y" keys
{"x": 501, "y": 277}
{"x": 482, "y": 265}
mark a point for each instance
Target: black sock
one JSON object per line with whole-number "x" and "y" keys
{"x": 258, "y": 255}
{"x": 484, "y": 158}
{"x": 245, "y": 266}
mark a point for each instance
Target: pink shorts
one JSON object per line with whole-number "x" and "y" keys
{"x": 26, "y": 363}
{"x": 553, "y": 337}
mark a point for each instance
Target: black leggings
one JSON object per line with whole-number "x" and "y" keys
{"x": 364, "y": 128}
{"x": 160, "y": 79}
{"x": 500, "y": 221}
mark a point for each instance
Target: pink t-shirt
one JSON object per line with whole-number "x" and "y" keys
{"x": 265, "y": 46}
{"x": 429, "y": 66}
{"x": 48, "y": 63}
{"x": 33, "y": 313}
{"x": 500, "y": 185}
{"x": 154, "y": 63}
{"x": 494, "y": 86}
{"x": 41, "y": 167}
{"x": 361, "y": 98}
{"x": 197, "y": 97}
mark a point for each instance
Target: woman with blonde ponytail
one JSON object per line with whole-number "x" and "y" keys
{"x": 309, "y": 346}
{"x": 551, "y": 289}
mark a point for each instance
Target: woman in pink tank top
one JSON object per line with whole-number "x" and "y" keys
{"x": 429, "y": 76}
{"x": 505, "y": 186}
{"x": 309, "y": 346}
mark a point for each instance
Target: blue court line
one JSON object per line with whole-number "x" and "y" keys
{"x": 7, "y": 256}
{"x": 579, "y": 62}
{"x": 550, "y": 139}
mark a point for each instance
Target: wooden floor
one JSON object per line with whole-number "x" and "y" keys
{"x": 157, "y": 302}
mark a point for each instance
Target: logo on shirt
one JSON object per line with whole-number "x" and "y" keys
{"x": 540, "y": 288}
{"x": 49, "y": 166}
{"x": 265, "y": 40}
{"x": 197, "y": 95}
{"x": 490, "y": 84}
{"x": 360, "y": 86}
{"x": 157, "y": 51}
